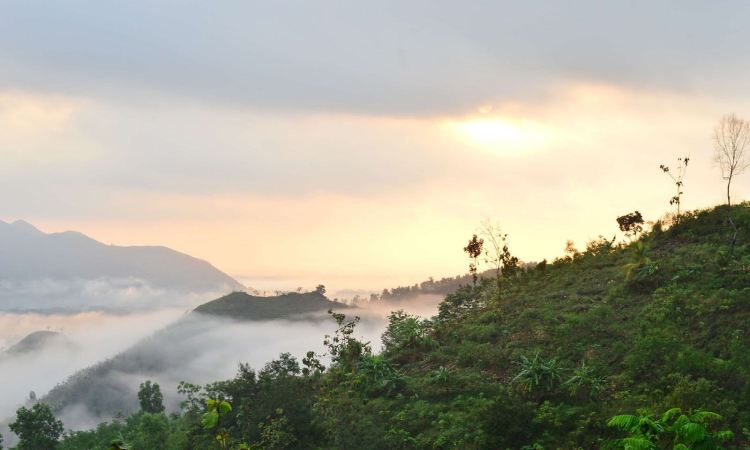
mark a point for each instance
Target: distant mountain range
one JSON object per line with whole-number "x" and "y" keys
{"x": 34, "y": 264}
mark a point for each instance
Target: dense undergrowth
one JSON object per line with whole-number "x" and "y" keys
{"x": 540, "y": 360}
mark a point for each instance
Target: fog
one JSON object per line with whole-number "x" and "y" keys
{"x": 165, "y": 345}
{"x": 93, "y": 336}
{"x": 110, "y": 294}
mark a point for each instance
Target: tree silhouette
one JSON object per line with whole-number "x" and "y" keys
{"x": 731, "y": 138}
{"x": 631, "y": 224}
{"x": 474, "y": 249}
{"x": 677, "y": 177}
{"x": 498, "y": 254}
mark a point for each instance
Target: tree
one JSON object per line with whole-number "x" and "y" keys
{"x": 276, "y": 433}
{"x": 498, "y": 254}
{"x": 631, "y": 224}
{"x": 731, "y": 138}
{"x": 151, "y": 431}
{"x": 1, "y": 441}
{"x": 216, "y": 409}
{"x": 37, "y": 428}
{"x": 150, "y": 398}
{"x": 320, "y": 289}
{"x": 474, "y": 249}
{"x": 677, "y": 177}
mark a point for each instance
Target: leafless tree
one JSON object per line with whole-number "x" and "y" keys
{"x": 497, "y": 252}
{"x": 731, "y": 139}
{"x": 677, "y": 177}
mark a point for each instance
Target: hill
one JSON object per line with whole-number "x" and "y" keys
{"x": 179, "y": 351}
{"x": 243, "y": 306}
{"x": 37, "y": 341}
{"x": 541, "y": 359}
{"x": 33, "y": 263}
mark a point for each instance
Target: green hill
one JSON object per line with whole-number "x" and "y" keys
{"x": 540, "y": 360}
{"x": 243, "y": 306}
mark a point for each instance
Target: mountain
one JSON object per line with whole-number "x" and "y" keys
{"x": 37, "y": 267}
{"x": 183, "y": 348}
{"x": 38, "y": 341}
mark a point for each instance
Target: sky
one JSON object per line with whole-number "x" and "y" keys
{"x": 360, "y": 144}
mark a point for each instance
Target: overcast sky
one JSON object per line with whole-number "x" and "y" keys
{"x": 360, "y": 143}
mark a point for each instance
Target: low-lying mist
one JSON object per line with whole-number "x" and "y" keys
{"x": 108, "y": 294}
{"x": 165, "y": 345}
{"x": 90, "y": 337}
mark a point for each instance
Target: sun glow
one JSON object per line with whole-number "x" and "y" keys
{"x": 500, "y": 135}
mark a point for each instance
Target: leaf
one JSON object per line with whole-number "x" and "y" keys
{"x": 725, "y": 435}
{"x": 692, "y": 432}
{"x": 637, "y": 443}
{"x": 705, "y": 416}
{"x": 225, "y": 407}
{"x": 624, "y": 422}
{"x": 210, "y": 419}
{"x": 667, "y": 416}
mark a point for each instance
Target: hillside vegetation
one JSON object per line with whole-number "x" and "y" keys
{"x": 243, "y": 306}
{"x": 541, "y": 359}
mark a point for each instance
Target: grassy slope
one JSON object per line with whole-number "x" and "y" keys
{"x": 673, "y": 334}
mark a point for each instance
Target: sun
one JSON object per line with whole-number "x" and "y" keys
{"x": 499, "y": 135}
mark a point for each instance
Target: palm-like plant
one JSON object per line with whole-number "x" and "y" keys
{"x": 585, "y": 376}
{"x": 637, "y": 260}
{"x": 536, "y": 372}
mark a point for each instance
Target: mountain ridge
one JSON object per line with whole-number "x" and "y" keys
{"x": 30, "y": 257}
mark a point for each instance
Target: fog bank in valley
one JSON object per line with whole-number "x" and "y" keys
{"x": 165, "y": 345}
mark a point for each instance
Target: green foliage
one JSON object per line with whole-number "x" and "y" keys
{"x": 655, "y": 324}
{"x": 37, "y": 428}
{"x": 240, "y": 305}
{"x": 216, "y": 409}
{"x": 150, "y": 398}
{"x": 672, "y": 430}
{"x": 538, "y": 373}
{"x": 276, "y": 433}
{"x": 404, "y": 333}
{"x": 585, "y": 378}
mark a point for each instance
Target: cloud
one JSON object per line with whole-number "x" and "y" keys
{"x": 199, "y": 349}
{"x": 415, "y": 58}
{"x": 94, "y": 336}
{"x": 109, "y": 294}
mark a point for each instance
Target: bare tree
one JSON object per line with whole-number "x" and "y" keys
{"x": 731, "y": 138}
{"x": 677, "y": 177}
{"x": 497, "y": 252}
